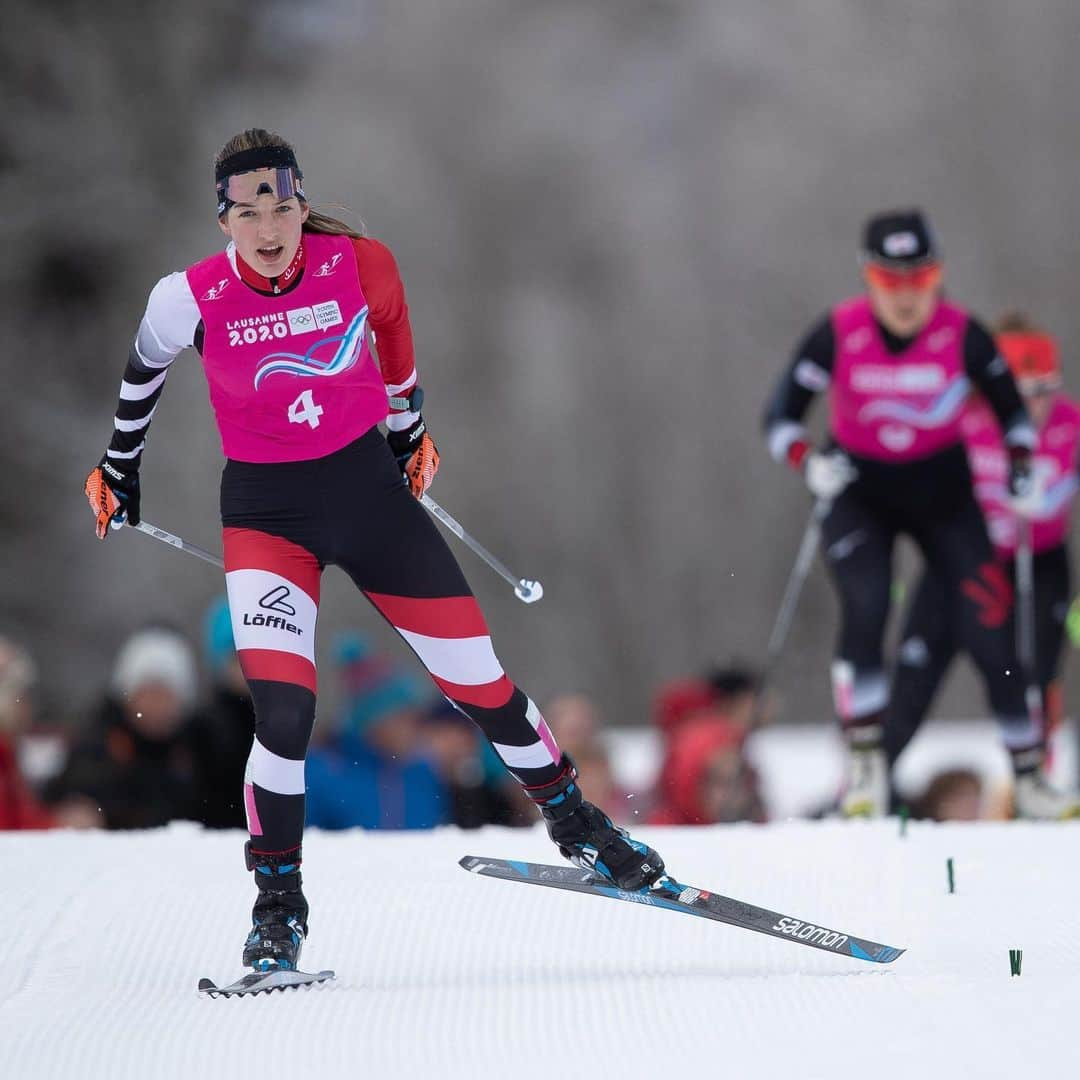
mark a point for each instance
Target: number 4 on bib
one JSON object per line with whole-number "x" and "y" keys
{"x": 304, "y": 410}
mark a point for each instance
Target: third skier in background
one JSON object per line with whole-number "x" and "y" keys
{"x": 928, "y": 641}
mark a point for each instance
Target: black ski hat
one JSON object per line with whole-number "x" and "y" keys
{"x": 899, "y": 238}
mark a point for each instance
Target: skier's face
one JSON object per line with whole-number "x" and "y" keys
{"x": 1038, "y": 403}
{"x": 903, "y": 301}
{"x": 265, "y": 229}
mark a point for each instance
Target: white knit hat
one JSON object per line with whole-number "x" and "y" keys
{"x": 156, "y": 655}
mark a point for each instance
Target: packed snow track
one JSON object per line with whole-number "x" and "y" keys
{"x": 444, "y": 974}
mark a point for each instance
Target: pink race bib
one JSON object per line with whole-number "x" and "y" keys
{"x": 1055, "y": 463}
{"x": 291, "y": 377}
{"x": 897, "y": 407}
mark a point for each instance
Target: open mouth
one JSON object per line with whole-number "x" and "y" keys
{"x": 270, "y": 254}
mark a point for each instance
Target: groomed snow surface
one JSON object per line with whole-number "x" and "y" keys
{"x": 442, "y": 974}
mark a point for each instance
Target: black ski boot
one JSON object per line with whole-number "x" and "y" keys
{"x": 586, "y": 836}
{"x": 279, "y": 917}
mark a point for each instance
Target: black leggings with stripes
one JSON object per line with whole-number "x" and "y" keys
{"x": 929, "y": 644}
{"x": 283, "y": 523}
{"x": 859, "y": 536}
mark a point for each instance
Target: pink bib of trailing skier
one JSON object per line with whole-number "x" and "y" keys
{"x": 291, "y": 377}
{"x": 1055, "y": 464}
{"x": 897, "y": 407}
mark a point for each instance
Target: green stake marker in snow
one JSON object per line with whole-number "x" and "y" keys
{"x": 952, "y": 875}
{"x": 1016, "y": 957}
{"x": 904, "y": 813}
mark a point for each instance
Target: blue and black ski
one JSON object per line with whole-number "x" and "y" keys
{"x": 670, "y": 894}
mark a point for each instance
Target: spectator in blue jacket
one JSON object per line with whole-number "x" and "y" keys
{"x": 372, "y": 771}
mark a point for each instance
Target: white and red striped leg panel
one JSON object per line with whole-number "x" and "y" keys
{"x": 273, "y": 588}
{"x": 450, "y": 637}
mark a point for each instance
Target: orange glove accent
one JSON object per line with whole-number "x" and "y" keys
{"x": 103, "y": 502}
{"x": 421, "y": 468}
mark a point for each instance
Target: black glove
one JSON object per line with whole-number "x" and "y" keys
{"x": 1025, "y": 491}
{"x": 113, "y": 492}
{"x": 403, "y": 444}
{"x": 416, "y": 455}
{"x": 1021, "y": 477}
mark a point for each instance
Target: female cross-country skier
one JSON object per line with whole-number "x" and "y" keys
{"x": 281, "y": 319}
{"x": 929, "y": 641}
{"x": 898, "y": 363}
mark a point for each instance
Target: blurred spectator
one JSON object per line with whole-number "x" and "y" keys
{"x": 222, "y": 732}
{"x": 676, "y": 703}
{"x": 19, "y": 809}
{"x": 137, "y": 763}
{"x": 953, "y": 795}
{"x": 679, "y": 701}
{"x": 371, "y": 770}
{"x": 736, "y": 689}
{"x": 575, "y": 722}
{"x": 706, "y": 778}
{"x": 479, "y": 789}
{"x": 731, "y": 690}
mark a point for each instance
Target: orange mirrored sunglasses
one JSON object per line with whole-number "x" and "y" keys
{"x": 918, "y": 278}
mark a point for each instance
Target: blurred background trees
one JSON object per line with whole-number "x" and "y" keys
{"x": 613, "y": 218}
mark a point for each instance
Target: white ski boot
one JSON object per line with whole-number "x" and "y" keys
{"x": 867, "y": 794}
{"x": 1037, "y": 800}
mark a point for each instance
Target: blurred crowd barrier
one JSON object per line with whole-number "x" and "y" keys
{"x": 170, "y": 735}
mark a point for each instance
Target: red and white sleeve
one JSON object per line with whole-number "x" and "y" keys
{"x": 388, "y": 314}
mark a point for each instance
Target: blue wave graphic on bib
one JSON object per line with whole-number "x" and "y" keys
{"x": 937, "y": 414}
{"x": 1058, "y": 495}
{"x": 345, "y": 356}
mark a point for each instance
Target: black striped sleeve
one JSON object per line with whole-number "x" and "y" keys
{"x": 168, "y": 326}
{"x": 808, "y": 374}
{"x": 139, "y": 393}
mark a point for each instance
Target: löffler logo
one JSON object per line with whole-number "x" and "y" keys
{"x": 274, "y": 600}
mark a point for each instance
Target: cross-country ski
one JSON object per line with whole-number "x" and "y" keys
{"x": 668, "y": 894}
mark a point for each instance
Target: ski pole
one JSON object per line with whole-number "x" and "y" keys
{"x": 176, "y": 542}
{"x": 528, "y": 592}
{"x": 1025, "y": 623}
{"x": 804, "y": 560}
